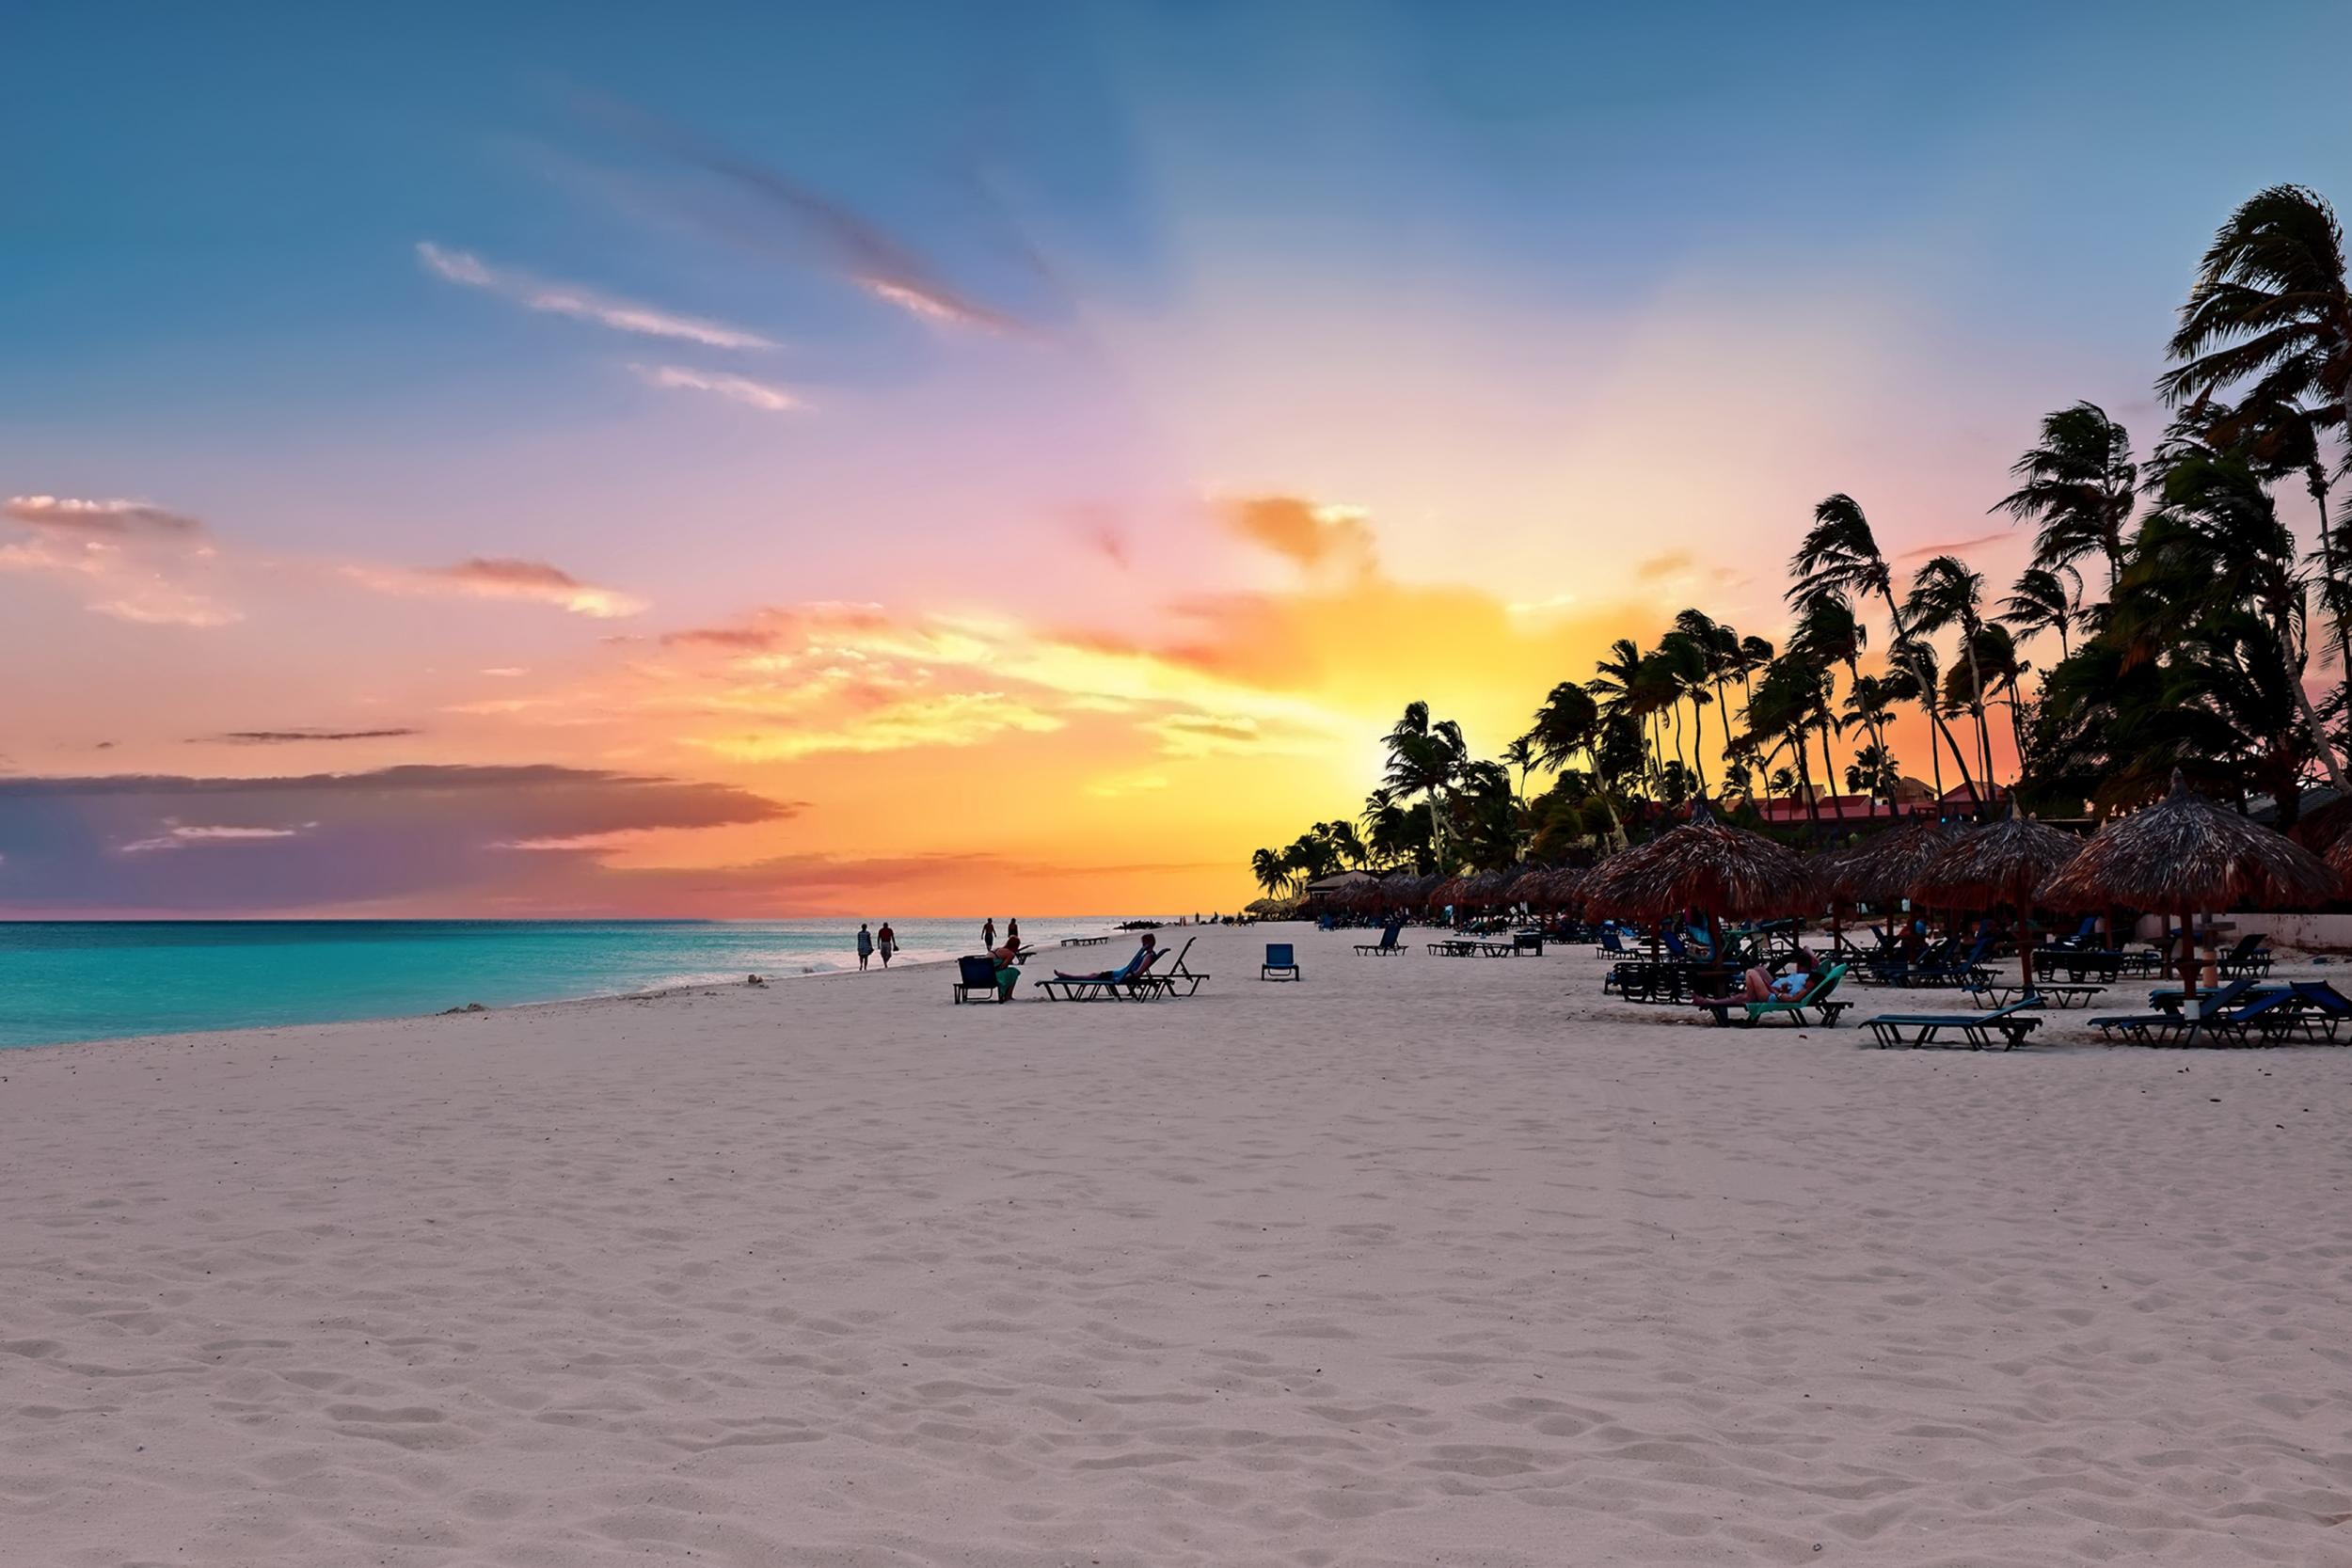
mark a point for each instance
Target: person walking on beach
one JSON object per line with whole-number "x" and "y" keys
{"x": 886, "y": 943}
{"x": 988, "y": 935}
{"x": 1013, "y": 931}
{"x": 865, "y": 944}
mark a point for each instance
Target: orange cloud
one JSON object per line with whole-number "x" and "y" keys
{"x": 100, "y": 516}
{"x": 1306, "y": 535}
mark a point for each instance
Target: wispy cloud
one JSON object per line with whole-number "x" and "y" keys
{"x": 1304, "y": 532}
{"x": 133, "y": 571}
{"x": 1956, "y": 546}
{"x": 113, "y": 517}
{"x": 741, "y": 389}
{"x": 179, "y": 836}
{"x": 502, "y": 577}
{"x": 289, "y": 738}
{"x": 582, "y": 304}
{"x": 845, "y": 242}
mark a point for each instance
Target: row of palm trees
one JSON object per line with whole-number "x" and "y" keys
{"x": 2191, "y": 652}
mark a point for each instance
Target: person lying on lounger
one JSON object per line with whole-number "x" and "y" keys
{"x": 1760, "y": 985}
{"x": 1145, "y": 957}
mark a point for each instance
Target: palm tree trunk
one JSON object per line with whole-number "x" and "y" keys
{"x": 1926, "y": 700}
{"x": 2283, "y": 623}
{"x": 2316, "y": 479}
{"x": 1804, "y": 773}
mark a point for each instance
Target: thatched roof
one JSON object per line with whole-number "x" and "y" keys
{"x": 1881, "y": 870}
{"x": 1487, "y": 889}
{"x": 2187, "y": 852}
{"x": 1531, "y": 887}
{"x": 2000, "y": 863}
{"x": 1445, "y": 890}
{"x": 1703, "y": 864}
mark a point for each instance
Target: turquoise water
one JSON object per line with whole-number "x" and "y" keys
{"x": 79, "y": 980}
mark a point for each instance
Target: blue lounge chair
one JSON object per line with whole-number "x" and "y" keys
{"x": 976, "y": 980}
{"x": 2249, "y": 957}
{"x": 2013, "y": 1023}
{"x": 1280, "y": 963}
{"x": 1387, "y": 942}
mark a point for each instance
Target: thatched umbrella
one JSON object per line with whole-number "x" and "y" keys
{"x": 1724, "y": 872}
{"x": 1563, "y": 889}
{"x": 1532, "y": 887}
{"x": 2002, "y": 863}
{"x": 1486, "y": 891}
{"x": 2186, "y": 853}
{"x": 1445, "y": 893}
{"x": 1881, "y": 870}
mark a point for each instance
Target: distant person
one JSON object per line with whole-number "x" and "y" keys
{"x": 865, "y": 944}
{"x": 885, "y": 943}
{"x": 988, "y": 934}
{"x": 1013, "y": 931}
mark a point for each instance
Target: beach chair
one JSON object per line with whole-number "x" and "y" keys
{"x": 1387, "y": 942}
{"x": 1986, "y": 992}
{"x": 2083, "y": 935}
{"x": 1815, "y": 997}
{"x": 1612, "y": 946}
{"x": 1131, "y": 980}
{"x": 1282, "y": 963}
{"x": 2248, "y": 958}
{"x": 1177, "y": 975}
{"x": 976, "y": 980}
{"x": 2013, "y": 1023}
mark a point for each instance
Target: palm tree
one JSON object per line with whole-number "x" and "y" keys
{"x": 1617, "y": 684}
{"x": 1840, "y": 556}
{"x": 1426, "y": 758}
{"x": 2080, "y": 485}
{"x": 1868, "y": 702}
{"x": 2044, "y": 598}
{"x": 1720, "y": 645}
{"x": 1682, "y": 659}
{"x": 1782, "y": 713}
{"x": 2217, "y": 547}
{"x": 2279, "y": 438}
{"x": 1271, "y": 874}
{"x": 1944, "y": 593}
{"x": 1872, "y": 772}
{"x": 2270, "y": 305}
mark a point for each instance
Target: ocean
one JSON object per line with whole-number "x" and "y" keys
{"x": 79, "y": 980}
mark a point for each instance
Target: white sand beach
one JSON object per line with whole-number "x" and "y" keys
{"x": 1419, "y": 1261}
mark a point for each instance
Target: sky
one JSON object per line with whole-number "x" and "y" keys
{"x": 915, "y": 459}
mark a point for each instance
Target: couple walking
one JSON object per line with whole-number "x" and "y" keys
{"x": 988, "y": 933}
{"x": 870, "y": 943}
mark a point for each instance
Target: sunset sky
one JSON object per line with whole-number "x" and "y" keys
{"x": 934, "y": 459}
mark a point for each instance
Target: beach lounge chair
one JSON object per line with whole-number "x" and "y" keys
{"x": 2083, "y": 935}
{"x": 2013, "y": 1023}
{"x": 1131, "y": 980}
{"x": 1387, "y": 942}
{"x": 1989, "y": 993}
{"x": 1176, "y": 975}
{"x": 976, "y": 980}
{"x": 1815, "y": 997}
{"x": 2249, "y": 957}
{"x": 1282, "y": 963}
{"x": 1611, "y": 946}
